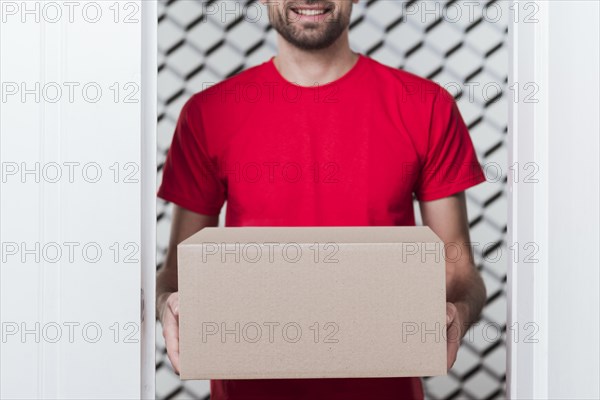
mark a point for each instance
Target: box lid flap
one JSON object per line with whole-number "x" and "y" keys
{"x": 362, "y": 234}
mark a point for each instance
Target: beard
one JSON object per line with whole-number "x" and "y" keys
{"x": 307, "y": 35}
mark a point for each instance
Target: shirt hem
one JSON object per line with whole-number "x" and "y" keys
{"x": 188, "y": 204}
{"x": 451, "y": 189}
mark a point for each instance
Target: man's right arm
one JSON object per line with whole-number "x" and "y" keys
{"x": 185, "y": 223}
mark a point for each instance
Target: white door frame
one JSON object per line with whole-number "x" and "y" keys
{"x": 555, "y": 220}
{"x": 525, "y": 282}
{"x": 110, "y": 46}
{"x": 149, "y": 69}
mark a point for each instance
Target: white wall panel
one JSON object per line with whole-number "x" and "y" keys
{"x": 94, "y": 140}
{"x": 556, "y": 291}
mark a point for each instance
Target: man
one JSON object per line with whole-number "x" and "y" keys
{"x": 322, "y": 136}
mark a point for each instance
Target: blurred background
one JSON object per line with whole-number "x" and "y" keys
{"x": 462, "y": 45}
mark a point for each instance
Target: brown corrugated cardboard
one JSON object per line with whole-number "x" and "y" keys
{"x": 312, "y": 303}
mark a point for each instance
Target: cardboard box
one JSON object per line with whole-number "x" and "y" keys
{"x": 312, "y": 303}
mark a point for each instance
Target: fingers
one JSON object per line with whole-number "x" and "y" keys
{"x": 171, "y": 330}
{"x": 451, "y": 354}
{"x": 453, "y": 333}
{"x": 453, "y": 328}
{"x": 171, "y": 334}
{"x": 451, "y": 312}
{"x": 173, "y": 303}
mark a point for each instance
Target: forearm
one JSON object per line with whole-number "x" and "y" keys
{"x": 166, "y": 283}
{"x": 185, "y": 224}
{"x": 467, "y": 292}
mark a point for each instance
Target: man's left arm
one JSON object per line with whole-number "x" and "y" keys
{"x": 465, "y": 291}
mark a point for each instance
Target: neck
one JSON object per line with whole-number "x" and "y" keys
{"x": 307, "y": 68}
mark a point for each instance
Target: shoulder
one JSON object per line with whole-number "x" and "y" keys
{"x": 228, "y": 89}
{"x": 411, "y": 87}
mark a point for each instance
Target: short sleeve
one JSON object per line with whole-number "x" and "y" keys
{"x": 450, "y": 164}
{"x": 189, "y": 176}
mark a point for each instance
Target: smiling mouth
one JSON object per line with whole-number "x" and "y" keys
{"x": 312, "y": 11}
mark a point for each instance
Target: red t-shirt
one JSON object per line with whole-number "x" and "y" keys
{"x": 348, "y": 153}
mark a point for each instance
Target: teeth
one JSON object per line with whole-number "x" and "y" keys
{"x": 311, "y": 12}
